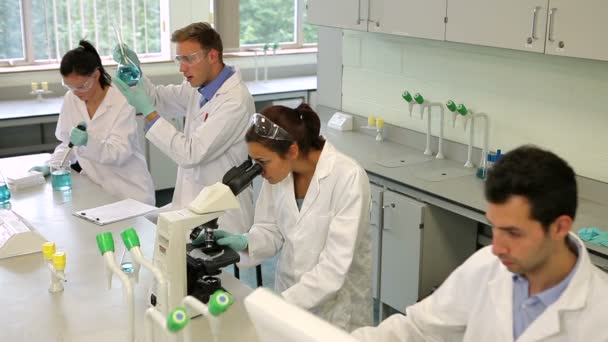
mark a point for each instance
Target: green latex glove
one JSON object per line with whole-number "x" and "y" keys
{"x": 238, "y": 242}
{"x": 79, "y": 137}
{"x": 136, "y": 96}
{"x": 131, "y": 56}
{"x": 44, "y": 169}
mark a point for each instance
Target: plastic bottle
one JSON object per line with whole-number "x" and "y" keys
{"x": 482, "y": 171}
{"x": 5, "y": 193}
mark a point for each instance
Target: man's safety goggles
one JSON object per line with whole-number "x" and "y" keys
{"x": 268, "y": 129}
{"x": 189, "y": 59}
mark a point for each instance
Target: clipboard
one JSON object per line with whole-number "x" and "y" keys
{"x": 115, "y": 212}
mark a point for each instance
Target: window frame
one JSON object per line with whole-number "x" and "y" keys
{"x": 224, "y": 13}
{"x": 28, "y": 40}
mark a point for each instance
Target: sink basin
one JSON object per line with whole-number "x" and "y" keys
{"x": 404, "y": 160}
{"x": 439, "y": 170}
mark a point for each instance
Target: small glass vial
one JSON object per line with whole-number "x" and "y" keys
{"x": 126, "y": 264}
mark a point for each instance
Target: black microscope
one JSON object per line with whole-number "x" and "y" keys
{"x": 204, "y": 263}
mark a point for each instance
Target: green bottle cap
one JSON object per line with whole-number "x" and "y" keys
{"x": 177, "y": 319}
{"x": 105, "y": 242}
{"x": 130, "y": 238}
{"x": 407, "y": 96}
{"x": 462, "y": 109}
{"x": 418, "y": 98}
{"x": 219, "y": 302}
{"x": 451, "y": 105}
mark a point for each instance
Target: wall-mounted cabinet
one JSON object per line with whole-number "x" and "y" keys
{"x": 514, "y": 24}
{"x": 415, "y": 18}
{"x": 555, "y": 27}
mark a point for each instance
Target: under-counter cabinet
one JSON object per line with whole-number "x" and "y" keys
{"x": 415, "y": 245}
{"x": 555, "y": 27}
{"x": 415, "y": 18}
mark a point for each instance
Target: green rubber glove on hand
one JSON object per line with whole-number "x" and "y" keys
{"x": 136, "y": 96}
{"x": 238, "y": 242}
{"x": 44, "y": 169}
{"x": 131, "y": 56}
{"x": 79, "y": 137}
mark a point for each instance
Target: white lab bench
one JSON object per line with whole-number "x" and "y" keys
{"x": 86, "y": 310}
{"x": 28, "y": 126}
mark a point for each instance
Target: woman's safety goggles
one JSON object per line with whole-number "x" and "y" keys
{"x": 190, "y": 59}
{"x": 86, "y": 86}
{"x": 268, "y": 129}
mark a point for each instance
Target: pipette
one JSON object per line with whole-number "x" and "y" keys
{"x": 70, "y": 145}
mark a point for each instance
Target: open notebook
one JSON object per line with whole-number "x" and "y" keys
{"x": 115, "y": 212}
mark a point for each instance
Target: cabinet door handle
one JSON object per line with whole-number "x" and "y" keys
{"x": 534, "y": 16}
{"x": 359, "y": 20}
{"x": 551, "y": 20}
{"x": 392, "y": 205}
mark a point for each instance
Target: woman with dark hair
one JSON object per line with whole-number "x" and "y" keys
{"x": 109, "y": 149}
{"x": 313, "y": 211}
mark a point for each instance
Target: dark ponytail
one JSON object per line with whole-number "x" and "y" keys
{"x": 302, "y": 123}
{"x": 83, "y": 61}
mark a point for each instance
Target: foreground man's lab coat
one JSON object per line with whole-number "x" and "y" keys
{"x": 113, "y": 157}
{"x": 213, "y": 141}
{"x": 324, "y": 262}
{"x": 475, "y": 304}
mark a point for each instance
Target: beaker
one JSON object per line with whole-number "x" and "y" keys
{"x": 127, "y": 70}
{"x": 61, "y": 176}
{"x": 5, "y": 193}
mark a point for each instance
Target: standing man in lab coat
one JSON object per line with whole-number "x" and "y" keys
{"x": 217, "y": 106}
{"x": 534, "y": 283}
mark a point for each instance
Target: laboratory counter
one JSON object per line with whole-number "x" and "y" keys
{"x": 86, "y": 310}
{"x": 461, "y": 194}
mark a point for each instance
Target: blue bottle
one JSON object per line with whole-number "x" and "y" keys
{"x": 5, "y": 193}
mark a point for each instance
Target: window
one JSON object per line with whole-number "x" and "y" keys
{"x": 267, "y": 22}
{"x": 42, "y": 31}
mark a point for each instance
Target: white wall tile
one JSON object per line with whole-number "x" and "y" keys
{"x": 554, "y": 102}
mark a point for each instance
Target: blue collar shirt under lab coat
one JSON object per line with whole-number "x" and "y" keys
{"x": 210, "y": 89}
{"x": 525, "y": 308}
{"x": 324, "y": 262}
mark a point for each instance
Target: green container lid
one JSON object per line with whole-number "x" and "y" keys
{"x": 105, "y": 242}
{"x": 462, "y": 109}
{"x": 219, "y": 302}
{"x": 418, "y": 98}
{"x": 130, "y": 238}
{"x": 451, "y": 105}
{"x": 177, "y": 319}
{"x": 407, "y": 96}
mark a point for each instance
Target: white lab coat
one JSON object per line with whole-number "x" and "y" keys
{"x": 324, "y": 249}
{"x": 475, "y": 304}
{"x": 213, "y": 141}
{"x": 113, "y": 157}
